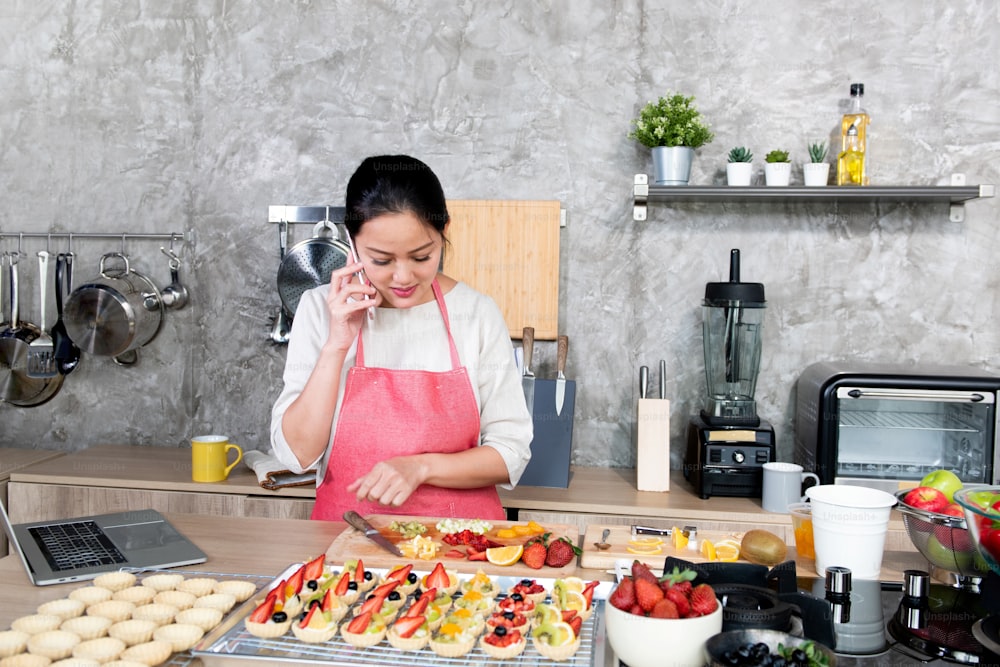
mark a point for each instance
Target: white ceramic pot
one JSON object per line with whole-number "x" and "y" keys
{"x": 816, "y": 173}
{"x": 672, "y": 165}
{"x": 639, "y": 641}
{"x": 739, "y": 173}
{"x": 777, "y": 173}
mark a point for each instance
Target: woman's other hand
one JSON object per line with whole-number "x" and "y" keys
{"x": 347, "y": 305}
{"x": 389, "y": 482}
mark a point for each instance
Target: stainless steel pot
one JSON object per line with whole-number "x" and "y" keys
{"x": 114, "y": 314}
{"x": 309, "y": 264}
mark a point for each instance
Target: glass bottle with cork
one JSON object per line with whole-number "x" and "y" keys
{"x": 852, "y": 162}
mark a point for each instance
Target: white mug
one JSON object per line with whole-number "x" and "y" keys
{"x": 783, "y": 485}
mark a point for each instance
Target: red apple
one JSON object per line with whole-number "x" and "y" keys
{"x": 990, "y": 542}
{"x": 953, "y": 509}
{"x": 926, "y": 498}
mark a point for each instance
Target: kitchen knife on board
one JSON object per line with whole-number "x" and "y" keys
{"x": 359, "y": 522}
{"x": 562, "y": 350}
{"x": 528, "y": 378}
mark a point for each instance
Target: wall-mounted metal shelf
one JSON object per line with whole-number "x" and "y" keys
{"x": 955, "y": 195}
{"x": 305, "y": 214}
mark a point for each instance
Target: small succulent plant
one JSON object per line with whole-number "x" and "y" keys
{"x": 817, "y": 151}
{"x": 777, "y": 156}
{"x": 740, "y": 154}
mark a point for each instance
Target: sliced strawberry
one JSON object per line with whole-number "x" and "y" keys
{"x": 400, "y": 574}
{"x": 588, "y": 593}
{"x": 314, "y": 568}
{"x": 568, "y": 614}
{"x": 429, "y": 594}
{"x": 407, "y": 625}
{"x": 359, "y": 571}
{"x": 438, "y": 578}
{"x": 386, "y": 588}
{"x": 342, "y": 584}
{"x": 263, "y": 611}
{"x": 454, "y": 553}
{"x": 576, "y": 623}
{"x": 294, "y": 583}
{"x": 360, "y": 623}
{"x": 327, "y": 603}
{"x": 372, "y": 604}
{"x": 475, "y": 554}
{"x": 304, "y": 623}
{"x": 418, "y": 607}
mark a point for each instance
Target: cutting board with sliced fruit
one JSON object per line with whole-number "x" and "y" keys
{"x": 458, "y": 544}
{"x": 653, "y": 549}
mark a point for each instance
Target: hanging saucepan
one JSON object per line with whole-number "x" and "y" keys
{"x": 114, "y": 314}
{"x": 16, "y": 386}
{"x": 309, "y": 264}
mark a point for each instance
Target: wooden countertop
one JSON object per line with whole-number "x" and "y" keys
{"x": 268, "y": 546}
{"x": 13, "y": 459}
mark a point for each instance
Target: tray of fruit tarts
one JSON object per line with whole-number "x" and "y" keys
{"x": 323, "y": 612}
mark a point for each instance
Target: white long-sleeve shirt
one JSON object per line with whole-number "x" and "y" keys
{"x": 415, "y": 338}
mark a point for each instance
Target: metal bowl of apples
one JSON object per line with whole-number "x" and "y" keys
{"x": 982, "y": 513}
{"x": 937, "y": 527}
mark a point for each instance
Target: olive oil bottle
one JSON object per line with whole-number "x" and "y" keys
{"x": 852, "y": 160}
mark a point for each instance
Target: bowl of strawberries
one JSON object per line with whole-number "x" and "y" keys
{"x": 654, "y": 621}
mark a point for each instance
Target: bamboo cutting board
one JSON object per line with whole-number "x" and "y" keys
{"x": 619, "y": 538}
{"x": 353, "y": 544}
{"x": 509, "y": 250}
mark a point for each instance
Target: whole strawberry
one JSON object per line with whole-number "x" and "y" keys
{"x": 641, "y": 571}
{"x": 665, "y": 608}
{"x": 703, "y": 600}
{"x": 535, "y": 552}
{"x": 680, "y": 600}
{"x": 647, "y": 594}
{"x": 561, "y": 552}
{"x": 623, "y": 597}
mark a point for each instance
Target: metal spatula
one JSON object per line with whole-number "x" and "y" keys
{"x": 41, "y": 352}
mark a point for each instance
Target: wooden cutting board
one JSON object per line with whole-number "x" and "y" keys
{"x": 509, "y": 250}
{"x": 619, "y": 539}
{"x": 353, "y": 544}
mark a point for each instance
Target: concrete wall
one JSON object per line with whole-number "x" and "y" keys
{"x": 194, "y": 116}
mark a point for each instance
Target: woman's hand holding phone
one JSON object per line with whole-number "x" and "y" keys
{"x": 347, "y": 302}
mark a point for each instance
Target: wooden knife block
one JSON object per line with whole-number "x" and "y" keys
{"x": 653, "y": 439}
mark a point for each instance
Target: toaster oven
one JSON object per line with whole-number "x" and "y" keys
{"x": 886, "y": 426}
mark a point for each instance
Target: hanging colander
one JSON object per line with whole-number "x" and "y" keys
{"x": 309, "y": 264}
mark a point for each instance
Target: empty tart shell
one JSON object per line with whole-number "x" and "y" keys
{"x": 178, "y": 599}
{"x": 221, "y": 601}
{"x": 180, "y": 636}
{"x": 102, "y": 650}
{"x": 75, "y": 662}
{"x": 12, "y": 642}
{"x": 198, "y": 585}
{"x": 149, "y": 653}
{"x": 167, "y": 581}
{"x": 241, "y": 590}
{"x": 87, "y": 627}
{"x": 204, "y": 618}
{"x": 26, "y": 660}
{"x": 269, "y": 630}
{"x": 115, "y": 581}
{"x": 314, "y": 635}
{"x": 89, "y": 595}
{"x": 124, "y": 663}
{"x": 116, "y": 610}
{"x": 63, "y": 608}
{"x": 53, "y": 644}
{"x": 36, "y": 623}
{"x": 137, "y": 595}
{"x": 502, "y": 652}
{"x": 557, "y": 653}
{"x": 133, "y": 631}
{"x": 158, "y": 613}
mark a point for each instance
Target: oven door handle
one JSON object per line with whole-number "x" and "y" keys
{"x": 917, "y": 395}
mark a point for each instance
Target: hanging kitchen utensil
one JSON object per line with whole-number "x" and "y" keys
{"x": 16, "y": 386}
{"x": 281, "y": 323}
{"x": 41, "y": 351}
{"x": 67, "y": 354}
{"x": 175, "y": 295}
{"x": 116, "y": 313}
{"x": 309, "y": 263}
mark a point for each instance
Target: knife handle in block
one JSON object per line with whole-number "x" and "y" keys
{"x": 653, "y": 440}
{"x": 562, "y": 351}
{"x": 527, "y": 348}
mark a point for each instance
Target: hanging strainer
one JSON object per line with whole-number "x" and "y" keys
{"x": 309, "y": 263}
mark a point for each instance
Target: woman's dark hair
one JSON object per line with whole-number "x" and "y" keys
{"x": 394, "y": 184}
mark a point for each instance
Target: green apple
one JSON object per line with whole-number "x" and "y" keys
{"x": 944, "y": 557}
{"x": 944, "y": 481}
{"x": 982, "y": 499}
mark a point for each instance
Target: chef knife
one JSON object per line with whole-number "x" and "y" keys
{"x": 528, "y": 378}
{"x": 371, "y": 532}
{"x": 562, "y": 350}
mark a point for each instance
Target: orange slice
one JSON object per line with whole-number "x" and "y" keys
{"x": 506, "y": 533}
{"x": 708, "y": 550}
{"x": 505, "y": 555}
{"x": 678, "y": 539}
{"x": 536, "y": 529}
{"x": 727, "y": 552}
{"x": 650, "y": 550}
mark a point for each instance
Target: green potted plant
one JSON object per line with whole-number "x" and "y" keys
{"x": 739, "y": 169}
{"x": 672, "y": 128}
{"x": 777, "y": 168}
{"x": 817, "y": 171}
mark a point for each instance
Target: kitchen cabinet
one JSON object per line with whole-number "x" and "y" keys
{"x": 12, "y": 459}
{"x": 954, "y": 195}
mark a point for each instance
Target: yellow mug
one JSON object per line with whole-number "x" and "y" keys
{"x": 209, "y": 458}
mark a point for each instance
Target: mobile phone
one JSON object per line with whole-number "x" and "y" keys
{"x": 360, "y": 274}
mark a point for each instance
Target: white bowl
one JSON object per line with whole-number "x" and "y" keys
{"x": 640, "y": 641}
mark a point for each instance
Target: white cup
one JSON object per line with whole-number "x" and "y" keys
{"x": 783, "y": 486}
{"x": 849, "y": 527}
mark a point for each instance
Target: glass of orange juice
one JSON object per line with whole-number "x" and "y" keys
{"x": 802, "y": 527}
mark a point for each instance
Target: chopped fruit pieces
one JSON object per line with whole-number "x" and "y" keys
{"x": 678, "y": 538}
{"x": 505, "y": 555}
{"x": 708, "y": 550}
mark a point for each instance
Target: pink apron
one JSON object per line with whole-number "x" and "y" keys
{"x": 387, "y": 413}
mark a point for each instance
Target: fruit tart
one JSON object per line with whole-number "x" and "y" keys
{"x": 557, "y": 640}
{"x": 409, "y": 633}
{"x": 363, "y": 630}
{"x": 512, "y": 620}
{"x": 365, "y": 579}
{"x": 346, "y": 588}
{"x": 482, "y": 584}
{"x": 408, "y": 580}
{"x": 529, "y": 590}
{"x": 567, "y": 597}
{"x": 475, "y": 602}
{"x": 454, "y": 638}
{"x": 516, "y": 602}
{"x": 379, "y": 608}
{"x": 438, "y": 599}
{"x": 444, "y": 580}
{"x": 503, "y": 643}
{"x": 315, "y": 626}
{"x": 266, "y": 622}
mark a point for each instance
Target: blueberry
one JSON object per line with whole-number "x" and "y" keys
{"x": 500, "y": 631}
{"x": 312, "y": 584}
{"x": 411, "y": 578}
{"x": 517, "y": 597}
{"x": 394, "y": 595}
{"x": 799, "y": 656}
{"x": 279, "y": 617}
{"x": 509, "y": 615}
{"x": 352, "y": 585}
{"x": 368, "y": 576}
{"x": 779, "y": 661}
{"x": 759, "y": 650}
{"x": 526, "y": 582}
{"x": 744, "y": 651}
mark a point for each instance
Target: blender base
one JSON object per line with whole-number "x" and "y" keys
{"x": 728, "y": 460}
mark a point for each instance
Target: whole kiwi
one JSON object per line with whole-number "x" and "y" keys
{"x": 763, "y": 548}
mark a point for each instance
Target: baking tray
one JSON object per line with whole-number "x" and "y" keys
{"x": 230, "y": 645}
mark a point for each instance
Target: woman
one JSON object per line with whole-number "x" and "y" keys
{"x": 418, "y": 410}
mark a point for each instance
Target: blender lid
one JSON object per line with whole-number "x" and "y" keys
{"x": 750, "y": 295}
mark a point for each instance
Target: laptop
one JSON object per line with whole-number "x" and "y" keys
{"x": 55, "y": 552}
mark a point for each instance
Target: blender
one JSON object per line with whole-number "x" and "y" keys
{"x": 728, "y": 443}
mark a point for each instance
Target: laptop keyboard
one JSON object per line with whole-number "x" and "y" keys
{"x": 70, "y": 546}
